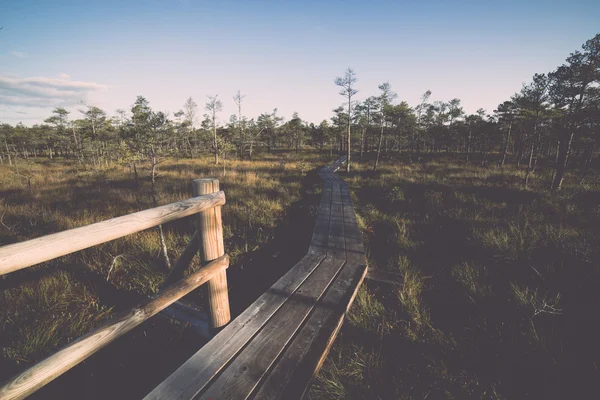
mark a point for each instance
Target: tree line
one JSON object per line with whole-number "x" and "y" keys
{"x": 556, "y": 115}
{"x": 145, "y": 135}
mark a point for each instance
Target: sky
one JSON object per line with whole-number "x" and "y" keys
{"x": 281, "y": 54}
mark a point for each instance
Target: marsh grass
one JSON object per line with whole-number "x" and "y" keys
{"x": 499, "y": 293}
{"x": 271, "y": 202}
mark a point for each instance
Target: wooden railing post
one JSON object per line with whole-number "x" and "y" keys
{"x": 210, "y": 230}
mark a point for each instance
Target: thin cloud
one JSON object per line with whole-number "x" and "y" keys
{"x": 45, "y": 92}
{"x": 64, "y": 76}
{"x": 18, "y": 54}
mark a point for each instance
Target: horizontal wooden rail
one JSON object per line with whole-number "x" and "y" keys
{"x": 25, "y": 254}
{"x": 48, "y": 369}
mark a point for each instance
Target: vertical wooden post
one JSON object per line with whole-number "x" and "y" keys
{"x": 210, "y": 230}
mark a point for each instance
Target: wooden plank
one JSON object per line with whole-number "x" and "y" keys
{"x": 355, "y": 258}
{"x": 251, "y": 364}
{"x": 321, "y": 229}
{"x": 53, "y": 366}
{"x": 299, "y": 363}
{"x": 25, "y": 254}
{"x": 189, "y": 379}
{"x": 292, "y": 374}
{"x": 350, "y": 220}
{"x": 216, "y": 357}
{"x": 247, "y": 369}
{"x": 336, "y": 244}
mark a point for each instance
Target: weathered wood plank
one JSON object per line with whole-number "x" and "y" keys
{"x": 247, "y": 369}
{"x": 321, "y": 229}
{"x": 189, "y": 379}
{"x": 336, "y": 245}
{"x": 53, "y": 366}
{"x": 355, "y": 260}
{"x": 25, "y": 254}
{"x": 352, "y": 231}
{"x": 236, "y": 362}
{"x": 251, "y": 364}
{"x": 301, "y": 360}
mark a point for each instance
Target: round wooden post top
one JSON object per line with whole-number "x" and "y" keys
{"x": 205, "y": 186}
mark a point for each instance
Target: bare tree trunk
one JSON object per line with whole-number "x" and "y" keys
{"x": 163, "y": 243}
{"x": 468, "y": 145}
{"x": 188, "y": 147}
{"x": 8, "y": 153}
{"x": 78, "y": 147}
{"x": 530, "y": 163}
{"x": 214, "y": 121}
{"x": 418, "y": 144}
{"x": 378, "y": 149}
{"x": 505, "y": 149}
{"x": 563, "y": 157}
{"x": 537, "y": 151}
{"x": 362, "y": 141}
{"x": 348, "y": 135}
{"x": 520, "y": 151}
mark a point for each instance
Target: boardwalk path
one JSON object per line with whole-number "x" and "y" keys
{"x": 276, "y": 346}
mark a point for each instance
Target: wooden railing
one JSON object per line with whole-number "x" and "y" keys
{"x": 207, "y": 241}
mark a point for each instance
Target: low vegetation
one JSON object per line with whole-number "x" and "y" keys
{"x": 48, "y": 305}
{"x": 489, "y": 221}
{"x": 497, "y": 291}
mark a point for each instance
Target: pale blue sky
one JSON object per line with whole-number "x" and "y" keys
{"x": 282, "y": 54}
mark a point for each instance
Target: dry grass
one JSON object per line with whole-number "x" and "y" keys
{"x": 499, "y": 294}
{"x": 45, "y": 306}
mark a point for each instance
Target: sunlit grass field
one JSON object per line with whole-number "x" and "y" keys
{"x": 44, "y": 307}
{"x": 499, "y": 286}
{"x": 497, "y": 296}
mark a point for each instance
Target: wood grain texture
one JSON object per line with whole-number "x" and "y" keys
{"x": 321, "y": 230}
{"x": 25, "y": 254}
{"x": 275, "y": 347}
{"x": 53, "y": 366}
{"x": 193, "y": 376}
{"x": 209, "y": 225}
{"x": 300, "y": 362}
{"x": 247, "y": 369}
{"x": 245, "y": 372}
{"x": 336, "y": 245}
{"x": 209, "y": 222}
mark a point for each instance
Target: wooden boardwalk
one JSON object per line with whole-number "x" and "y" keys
{"x": 276, "y": 346}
